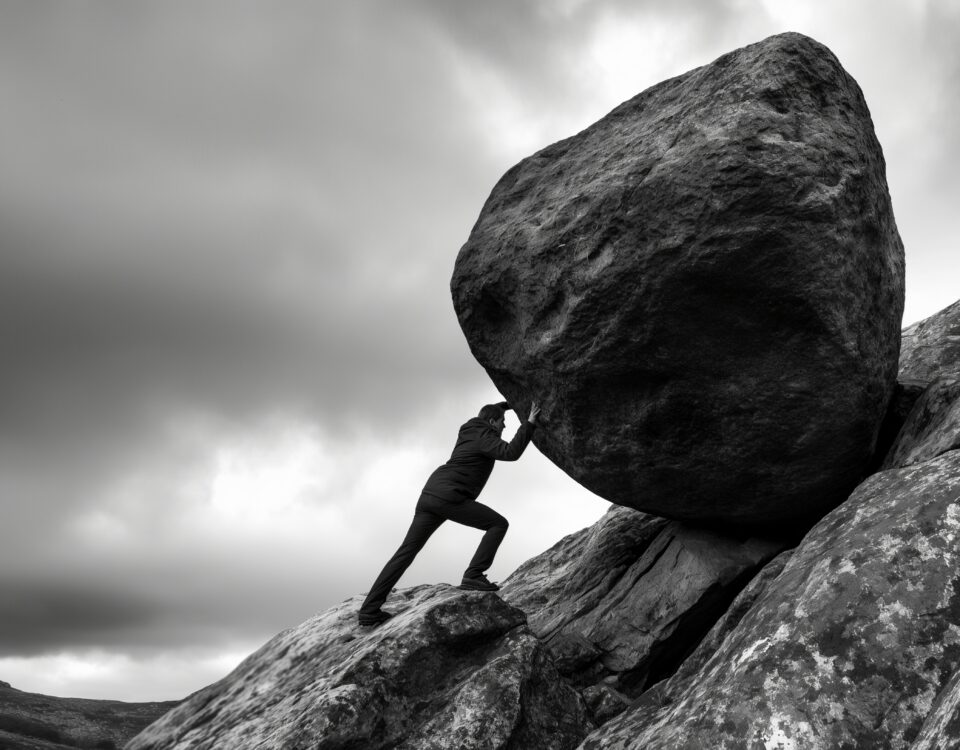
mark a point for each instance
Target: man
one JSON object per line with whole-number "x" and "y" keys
{"x": 450, "y": 494}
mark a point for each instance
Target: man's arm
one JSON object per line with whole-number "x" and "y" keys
{"x": 491, "y": 445}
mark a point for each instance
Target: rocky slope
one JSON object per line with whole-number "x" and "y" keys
{"x": 849, "y": 645}
{"x": 852, "y": 639}
{"x": 621, "y": 603}
{"x": 642, "y": 632}
{"x": 30, "y": 721}
{"x": 451, "y": 670}
{"x": 703, "y": 289}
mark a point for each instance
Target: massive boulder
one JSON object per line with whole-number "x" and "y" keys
{"x": 451, "y": 670}
{"x": 703, "y": 290}
{"x": 853, "y": 644}
{"x": 621, "y": 603}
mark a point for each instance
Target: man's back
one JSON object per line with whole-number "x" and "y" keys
{"x": 478, "y": 446}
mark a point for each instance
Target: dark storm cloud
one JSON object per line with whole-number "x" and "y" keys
{"x": 234, "y": 207}
{"x": 44, "y": 611}
{"x": 225, "y": 205}
{"x": 210, "y": 213}
{"x": 35, "y": 619}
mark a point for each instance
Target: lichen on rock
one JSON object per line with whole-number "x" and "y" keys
{"x": 849, "y": 646}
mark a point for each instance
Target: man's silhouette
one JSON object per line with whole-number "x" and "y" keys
{"x": 450, "y": 494}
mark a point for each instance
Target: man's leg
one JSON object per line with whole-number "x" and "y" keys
{"x": 479, "y": 516}
{"x": 423, "y": 525}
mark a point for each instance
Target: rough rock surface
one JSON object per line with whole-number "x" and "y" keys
{"x": 452, "y": 669}
{"x": 931, "y": 348}
{"x": 670, "y": 689}
{"x": 730, "y": 619}
{"x": 704, "y": 289}
{"x": 848, "y": 647}
{"x": 621, "y": 603}
{"x": 941, "y": 730}
{"x": 932, "y": 427}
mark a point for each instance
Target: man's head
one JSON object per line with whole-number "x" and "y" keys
{"x": 493, "y": 413}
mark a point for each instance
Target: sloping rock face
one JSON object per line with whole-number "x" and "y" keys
{"x": 931, "y": 348}
{"x": 452, "y": 669}
{"x": 930, "y": 368}
{"x": 621, "y": 603}
{"x": 850, "y": 646}
{"x": 932, "y": 427}
{"x": 703, "y": 289}
{"x": 669, "y": 690}
{"x": 941, "y": 730}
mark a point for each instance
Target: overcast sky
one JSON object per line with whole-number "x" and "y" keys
{"x": 229, "y": 355}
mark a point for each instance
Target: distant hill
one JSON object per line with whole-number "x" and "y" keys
{"x": 30, "y": 721}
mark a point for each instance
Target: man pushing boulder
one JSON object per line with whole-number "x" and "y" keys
{"x": 450, "y": 494}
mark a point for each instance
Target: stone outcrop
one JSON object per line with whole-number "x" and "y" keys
{"x": 621, "y": 603}
{"x": 931, "y": 348}
{"x": 667, "y": 691}
{"x": 703, "y": 289}
{"x": 849, "y": 646}
{"x": 452, "y": 669}
{"x": 925, "y": 410}
{"x": 932, "y": 427}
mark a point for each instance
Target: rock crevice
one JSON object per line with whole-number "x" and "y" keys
{"x": 622, "y": 603}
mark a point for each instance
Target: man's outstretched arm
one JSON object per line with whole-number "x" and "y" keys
{"x": 501, "y": 450}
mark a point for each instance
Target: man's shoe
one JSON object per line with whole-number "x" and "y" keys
{"x": 478, "y": 583}
{"x": 373, "y": 619}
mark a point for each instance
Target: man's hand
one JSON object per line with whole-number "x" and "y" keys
{"x": 534, "y": 413}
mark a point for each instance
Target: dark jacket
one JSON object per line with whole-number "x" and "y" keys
{"x": 478, "y": 446}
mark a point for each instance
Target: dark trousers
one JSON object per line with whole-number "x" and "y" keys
{"x": 430, "y": 513}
